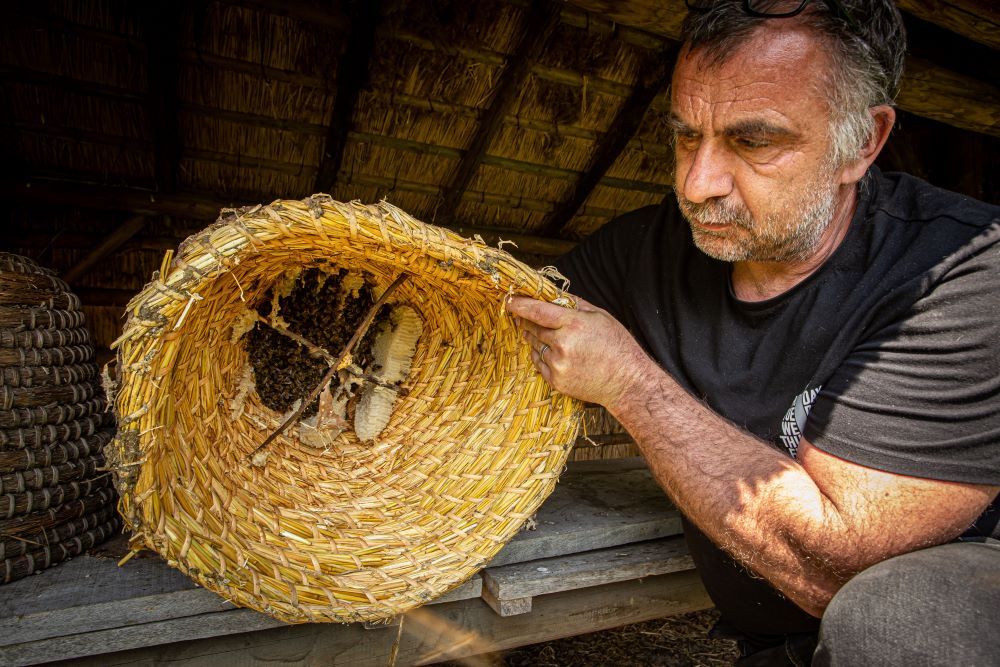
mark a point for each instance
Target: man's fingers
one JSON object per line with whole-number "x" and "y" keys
{"x": 546, "y": 314}
{"x": 535, "y": 335}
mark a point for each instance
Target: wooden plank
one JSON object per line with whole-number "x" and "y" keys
{"x": 93, "y": 594}
{"x": 949, "y": 97}
{"x": 978, "y": 20}
{"x": 193, "y": 207}
{"x": 542, "y": 20}
{"x": 473, "y": 588}
{"x": 89, "y": 593}
{"x": 927, "y": 90}
{"x": 352, "y": 77}
{"x": 446, "y": 632}
{"x": 162, "y": 23}
{"x": 597, "y": 504}
{"x": 506, "y": 606}
{"x": 115, "y": 240}
{"x": 131, "y": 636}
{"x": 592, "y": 568}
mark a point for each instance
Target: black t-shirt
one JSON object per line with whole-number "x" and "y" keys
{"x": 888, "y": 355}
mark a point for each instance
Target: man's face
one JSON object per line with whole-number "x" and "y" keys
{"x": 753, "y": 176}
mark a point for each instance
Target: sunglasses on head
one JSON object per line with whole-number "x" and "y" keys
{"x": 777, "y": 9}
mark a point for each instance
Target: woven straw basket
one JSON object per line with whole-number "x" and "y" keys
{"x": 56, "y": 500}
{"x": 352, "y": 530}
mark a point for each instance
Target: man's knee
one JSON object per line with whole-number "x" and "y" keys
{"x": 935, "y": 606}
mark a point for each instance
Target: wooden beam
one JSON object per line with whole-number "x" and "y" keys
{"x": 79, "y": 135}
{"x": 520, "y": 582}
{"x": 90, "y": 196}
{"x": 928, "y": 90}
{"x": 352, "y": 77}
{"x": 64, "y": 239}
{"x": 431, "y": 634}
{"x": 105, "y": 296}
{"x": 660, "y": 17}
{"x": 246, "y": 161}
{"x": 978, "y": 20}
{"x": 162, "y": 25}
{"x": 541, "y": 22}
{"x": 654, "y": 77}
{"x": 315, "y": 13}
{"x": 108, "y": 246}
{"x": 142, "y": 202}
{"x": 950, "y": 97}
{"x": 65, "y": 84}
{"x": 519, "y": 166}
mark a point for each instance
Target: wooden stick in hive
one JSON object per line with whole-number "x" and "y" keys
{"x": 343, "y": 357}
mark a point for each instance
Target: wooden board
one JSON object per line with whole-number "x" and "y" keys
{"x": 93, "y": 594}
{"x": 596, "y": 504}
{"x": 434, "y": 634}
{"x": 89, "y": 604}
{"x": 593, "y": 568}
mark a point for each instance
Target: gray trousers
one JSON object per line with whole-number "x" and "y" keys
{"x": 936, "y": 606}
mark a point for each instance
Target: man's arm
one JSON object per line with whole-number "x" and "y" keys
{"x": 806, "y": 526}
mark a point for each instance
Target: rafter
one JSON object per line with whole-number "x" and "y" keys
{"x": 140, "y": 202}
{"x": 978, "y": 20}
{"x": 541, "y": 22}
{"x": 162, "y": 24}
{"x": 115, "y": 240}
{"x": 655, "y": 76}
{"x": 352, "y": 77}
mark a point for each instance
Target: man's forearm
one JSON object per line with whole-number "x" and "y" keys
{"x": 748, "y": 497}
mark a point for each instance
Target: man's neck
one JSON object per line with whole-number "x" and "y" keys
{"x": 760, "y": 281}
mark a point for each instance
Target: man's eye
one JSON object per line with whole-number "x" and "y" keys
{"x": 752, "y": 143}
{"x": 686, "y": 139}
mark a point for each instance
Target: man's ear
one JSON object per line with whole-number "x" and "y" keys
{"x": 884, "y": 117}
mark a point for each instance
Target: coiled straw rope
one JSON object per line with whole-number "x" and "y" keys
{"x": 352, "y": 530}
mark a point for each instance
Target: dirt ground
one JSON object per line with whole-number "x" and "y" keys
{"x": 676, "y": 641}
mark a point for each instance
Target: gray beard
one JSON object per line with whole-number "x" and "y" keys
{"x": 762, "y": 243}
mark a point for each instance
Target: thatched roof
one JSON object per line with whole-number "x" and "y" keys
{"x": 128, "y": 124}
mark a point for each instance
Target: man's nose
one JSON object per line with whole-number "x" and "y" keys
{"x": 709, "y": 174}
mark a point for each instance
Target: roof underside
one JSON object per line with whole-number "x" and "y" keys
{"x": 537, "y": 121}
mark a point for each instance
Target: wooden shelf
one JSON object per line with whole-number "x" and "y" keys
{"x": 606, "y": 529}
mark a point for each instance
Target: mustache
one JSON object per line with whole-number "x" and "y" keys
{"x": 715, "y": 212}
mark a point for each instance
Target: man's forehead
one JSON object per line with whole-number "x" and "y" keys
{"x": 777, "y": 50}
{"x": 773, "y": 68}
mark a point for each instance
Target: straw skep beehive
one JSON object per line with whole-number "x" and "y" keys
{"x": 318, "y": 524}
{"x": 56, "y": 500}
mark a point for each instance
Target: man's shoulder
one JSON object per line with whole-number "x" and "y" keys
{"x": 905, "y": 197}
{"x": 915, "y": 228}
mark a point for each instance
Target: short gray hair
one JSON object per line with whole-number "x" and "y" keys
{"x": 866, "y": 58}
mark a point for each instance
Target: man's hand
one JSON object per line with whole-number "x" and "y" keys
{"x": 584, "y": 353}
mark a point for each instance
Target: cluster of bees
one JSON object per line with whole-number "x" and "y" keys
{"x": 324, "y": 308}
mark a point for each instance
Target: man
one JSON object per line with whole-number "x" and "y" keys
{"x": 808, "y": 358}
